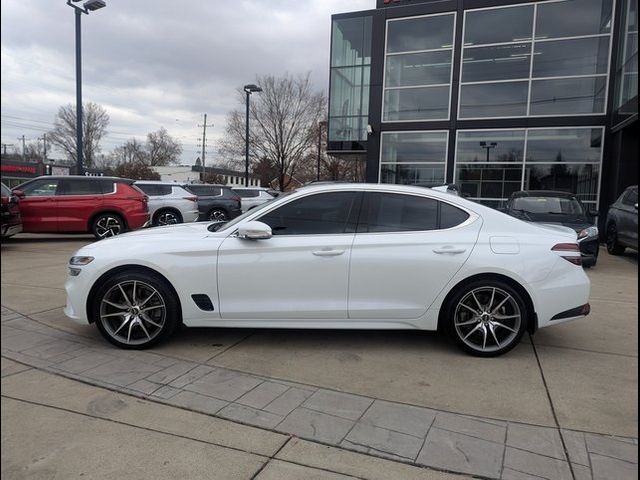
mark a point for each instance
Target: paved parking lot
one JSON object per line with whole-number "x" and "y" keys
{"x": 562, "y": 406}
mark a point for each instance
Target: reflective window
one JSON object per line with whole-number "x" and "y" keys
{"x": 490, "y": 181}
{"x": 581, "y": 145}
{"x": 451, "y": 216}
{"x": 490, "y": 146}
{"x": 579, "y": 179}
{"x": 572, "y": 18}
{"x": 562, "y": 71}
{"x": 413, "y": 158}
{"x": 325, "y": 213}
{"x": 575, "y": 95}
{"x": 627, "y": 62}
{"x": 349, "y": 80}
{"x": 390, "y": 212}
{"x": 40, "y": 188}
{"x": 493, "y": 100}
{"x": 418, "y": 63}
{"x": 498, "y": 25}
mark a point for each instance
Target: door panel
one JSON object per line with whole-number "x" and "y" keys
{"x": 39, "y": 206}
{"x": 284, "y": 277}
{"x": 78, "y": 199}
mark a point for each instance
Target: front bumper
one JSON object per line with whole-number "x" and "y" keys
{"x": 589, "y": 249}
{"x": 77, "y": 292}
{"x": 9, "y": 230}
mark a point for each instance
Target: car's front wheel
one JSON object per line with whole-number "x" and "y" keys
{"x": 135, "y": 310}
{"x": 107, "y": 225}
{"x": 166, "y": 217}
{"x": 613, "y": 247}
{"x": 486, "y": 318}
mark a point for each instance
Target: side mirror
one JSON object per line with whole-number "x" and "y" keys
{"x": 255, "y": 231}
{"x": 18, "y": 193}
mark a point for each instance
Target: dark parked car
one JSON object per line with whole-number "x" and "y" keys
{"x": 215, "y": 202}
{"x": 104, "y": 206}
{"x": 622, "y": 222}
{"x": 11, "y": 221}
{"x": 559, "y": 208}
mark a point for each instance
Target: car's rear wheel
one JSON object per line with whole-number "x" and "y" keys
{"x": 217, "y": 215}
{"x": 166, "y": 217}
{"x": 486, "y": 318}
{"x": 135, "y": 310}
{"x": 107, "y": 225}
{"x": 613, "y": 247}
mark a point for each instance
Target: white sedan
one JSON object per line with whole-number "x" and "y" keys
{"x": 357, "y": 256}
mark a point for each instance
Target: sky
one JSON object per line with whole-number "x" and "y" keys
{"x": 156, "y": 63}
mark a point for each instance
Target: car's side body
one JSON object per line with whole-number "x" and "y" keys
{"x": 354, "y": 279}
{"x": 623, "y": 216}
{"x": 252, "y": 196}
{"x": 69, "y": 204}
{"x": 11, "y": 221}
{"x": 215, "y": 202}
{"x": 169, "y": 202}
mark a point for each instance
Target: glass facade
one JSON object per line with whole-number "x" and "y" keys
{"x": 540, "y": 59}
{"x": 492, "y": 164}
{"x": 418, "y": 67}
{"x": 627, "y": 62}
{"x": 414, "y": 158}
{"x": 349, "y": 82}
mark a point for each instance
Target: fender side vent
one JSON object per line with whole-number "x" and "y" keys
{"x": 202, "y": 301}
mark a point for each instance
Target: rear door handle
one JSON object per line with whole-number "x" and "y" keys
{"x": 451, "y": 250}
{"x": 328, "y": 253}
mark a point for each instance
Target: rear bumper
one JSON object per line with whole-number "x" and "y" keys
{"x": 138, "y": 220}
{"x": 190, "y": 216}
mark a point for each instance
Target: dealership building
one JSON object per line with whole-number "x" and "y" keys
{"x": 496, "y": 96}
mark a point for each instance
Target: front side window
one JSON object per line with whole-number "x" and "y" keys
{"x": 321, "y": 214}
{"x": 41, "y": 188}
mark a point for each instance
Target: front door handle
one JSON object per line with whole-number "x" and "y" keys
{"x": 451, "y": 250}
{"x": 328, "y": 253}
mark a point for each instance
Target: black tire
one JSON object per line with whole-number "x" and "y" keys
{"x": 163, "y": 305}
{"x": 217, "y": 215}
{"x": 460, "y": 321}
{"x": 166, "y": 216}
{"x": 613, "y": 247}
{"x": 107, "y": 225}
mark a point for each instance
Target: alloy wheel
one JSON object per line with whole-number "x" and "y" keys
{"x": 108, "y": 226}
{"x": 167, "y": 218}
{"x": 133, "y": 312}
{"x": 487, "y": 319}
{"x": 218, "y": 215}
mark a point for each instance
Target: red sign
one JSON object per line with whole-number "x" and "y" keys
{"x": 19, "y": 169}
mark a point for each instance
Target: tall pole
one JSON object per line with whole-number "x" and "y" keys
{"x": 23, "y": 148}
{"x": 246, "y": 151}
{"x": 204, "y": 143}
{"x": 319, "y": 149}
{"x": 79, "y": 150}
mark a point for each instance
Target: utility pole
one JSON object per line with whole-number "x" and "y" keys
{"x": 44, "y": 146}
{"x": 204, "y": 143}
{"x": 23, "y": 147}
{"x": 4, "y": 147}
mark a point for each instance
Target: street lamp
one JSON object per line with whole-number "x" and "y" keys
{"x": 88, "y": 6}
{"x": 321, "y": 124}
{"x": 248, "y": 89}
{"x": 488, "y": 146}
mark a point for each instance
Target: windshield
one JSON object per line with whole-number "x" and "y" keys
{"x": 219, "y": 226}
{"x": 549, "y": 205}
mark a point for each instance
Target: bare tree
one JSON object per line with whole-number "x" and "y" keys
{"x": 132, "y": 151}
{"x": 136, "y": 171}
{"x": 283, "y": 118}
{"x": 162, "y": 149}
{"x": 94, "y": 127}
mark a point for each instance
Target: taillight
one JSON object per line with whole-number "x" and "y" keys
{"x": 569, "y": 247}
{"x": 192, "y": 199}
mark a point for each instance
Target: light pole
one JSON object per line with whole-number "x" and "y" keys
{"x": 248, "y": 89}
{"x": 321, "y": 125}
{"x": 88, "y": 6}
{"x": 488, "y": 146}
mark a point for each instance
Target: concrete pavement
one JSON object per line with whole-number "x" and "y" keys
{"x": 525, "y": 413}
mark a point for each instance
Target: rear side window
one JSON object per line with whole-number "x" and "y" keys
{"x": 154, "y": 190}
{"x": 320, "y": 214}
{"x": 390, "y": 212}
{"x": 41, "y": 188}
{"x": 247, "y": 193}
{"x": 81, "y": 186}
{"x": 451, "y": 216}
{"x": 204, "y": 190}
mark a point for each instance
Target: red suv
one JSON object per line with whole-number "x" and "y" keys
{"x": 104, "y": 206}
{"x": 11, "y": 223}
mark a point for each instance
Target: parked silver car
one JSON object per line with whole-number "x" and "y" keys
{"x": 169, "y": 203}
{"x": 253, "y": 196}
{"x": 622, "y": 222}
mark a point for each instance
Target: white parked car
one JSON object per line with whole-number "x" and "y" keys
{"x": 354, "y": 256}
{"x": 253, "y": 196}
{"x": 169, "y": 203}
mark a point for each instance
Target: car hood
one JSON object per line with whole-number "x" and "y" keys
{"x": 168, "y": 234}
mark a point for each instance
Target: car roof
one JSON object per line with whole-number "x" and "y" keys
{"x": 204, "y": 185}
{"x": 157, "y": 182}
{"x": 543, "y": 193}
{"x": 87, "y": 177}
{"x": 249, "y": 188}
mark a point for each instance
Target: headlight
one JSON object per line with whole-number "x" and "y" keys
{"x": 80, "y": 260}
{"x": 589, "y": 232}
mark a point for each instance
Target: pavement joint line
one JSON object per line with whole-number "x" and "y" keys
{"x": 264, "y": 465}
{"x": 527, "y": 473}
{"x": 601, "y": 455}
{"x": 553, "y": 409}
{"x": 355, "y": 422}
{"x": 16, "y": 373}
{"x": 586, "y": 350}
{"x": 228, "y": 348}
{"x": 32, "y": 286}
{"x": 380, "y": 451}
{"x": 313, "y": 386}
